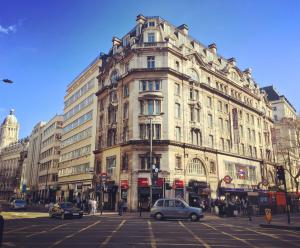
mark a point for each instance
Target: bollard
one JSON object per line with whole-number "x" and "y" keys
{"x": 268, "y": 215}
{"x": 1, "y": 229}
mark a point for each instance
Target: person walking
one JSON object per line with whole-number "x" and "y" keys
{"x": 121, "y": 207}
{"x": 94, "y": 206}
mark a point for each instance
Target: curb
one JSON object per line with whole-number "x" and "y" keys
{"x": 294, "y": 228}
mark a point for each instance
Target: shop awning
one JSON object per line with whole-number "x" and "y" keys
{"x": 143, "y": 182}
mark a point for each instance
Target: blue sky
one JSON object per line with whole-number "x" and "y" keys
{"x": 44, "y": 45}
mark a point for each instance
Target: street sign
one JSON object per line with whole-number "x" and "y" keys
{"x": 227, "y": 179}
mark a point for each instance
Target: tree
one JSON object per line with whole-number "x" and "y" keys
{"x": 288, "y": 148}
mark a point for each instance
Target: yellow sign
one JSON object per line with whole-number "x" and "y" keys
{"x": 268, "y": 215}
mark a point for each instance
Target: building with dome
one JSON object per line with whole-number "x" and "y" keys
{"x": 9, "y": 131}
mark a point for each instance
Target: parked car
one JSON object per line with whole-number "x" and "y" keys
{"x": 65, "y": 210}
{"x": 175, "y": 208}
{"x": 18, "y": 204}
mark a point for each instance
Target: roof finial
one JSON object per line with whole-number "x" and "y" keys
{"x": 11, "y": 112}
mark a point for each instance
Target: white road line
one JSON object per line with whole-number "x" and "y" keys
{"x": 105, "y": 242}
{"x": 152, "y": 237}
{"x": 230, "y": 235}
{"x": 274, "y": 236}
{"x": 46, "y": 231}
{"x": 73, "y": 234}
{"x": 201, "y": 241}
{"x": 20, "y": 229}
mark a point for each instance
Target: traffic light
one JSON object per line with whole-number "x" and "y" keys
{"x": 154, "y": 175}
{"x": 280, "y": 173}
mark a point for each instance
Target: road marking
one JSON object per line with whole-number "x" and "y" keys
{"x": 201, "y": 241}
{"x": 230, "y": 235}
{"x": 152, "y": 237}
{"x": 105, "y": 242}
{"x": 274, "y": 236}
{"x": 73, "y": 234}
{"x": 52, "y": 229}
{"x": 20, "y": 229}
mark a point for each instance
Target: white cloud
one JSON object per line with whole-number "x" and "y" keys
{"x": 9, "y": 29}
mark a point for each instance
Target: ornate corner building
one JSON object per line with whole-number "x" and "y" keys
{"x": 208, "y": 118}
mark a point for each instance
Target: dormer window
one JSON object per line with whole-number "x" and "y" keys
{"x": 151, "y": 37}
{"x": 114, "y": 77}
{"x": 151, "y": 24}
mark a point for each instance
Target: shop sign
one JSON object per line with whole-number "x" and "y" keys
{"x": 179, "y": 184}
{"x": 227, "y": 179}
{"x": 124, "y": 184}
{"x": 143, "y": 182}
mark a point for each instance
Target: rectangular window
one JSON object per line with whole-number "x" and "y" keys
{"x": 221, "y": 127}
{"x": 178, "y": 164}
{"x": 110, "y": 165}
{"x": 125, "y": 90}
{"x": 177, "y": 133}
{"x": 243, "y": 148}
{"x": 210, "y": 121}
{"x": 219, "y": 106}
{"x": 222, "y": 145}
{"x": 191, "y": 113}
{"x": 177, "y": 89}
{"x": 150, "y": 107}
{"x": 125, "y": 113}
{"x": 177, "y": 110}
{"x": 151, "y": 37}
{"x": 142, "y": 107}
{"x": 209, "y": 102}
{"x": 191, "y": 96}
{"x": 253, "y": 136}
{"x": 150, "y": 85}
{"x": 150, "y": 62}
{"x": 157, "y": 85}
{"x": 227, "y": 125}
{"x": 211, "y": 141}
{"x": 196, "y": 95}
{"x": 157, "y": 107}
{"x": 198, "y": 114}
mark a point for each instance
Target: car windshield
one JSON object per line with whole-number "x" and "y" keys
{"x": 66, "y": 205}
{"x": 20, "y": 201}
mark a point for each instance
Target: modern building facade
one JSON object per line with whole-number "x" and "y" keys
{"x": 285, "y": 135}
{"x": 49, "y": 159}
{"x": 76, "y": 164}
{"x": 210, "y": 123}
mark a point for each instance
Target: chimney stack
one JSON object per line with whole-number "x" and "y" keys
{"x": 213, "y": 48}
{"x": 184, "y": 28}
{"x": 232, "y": 61}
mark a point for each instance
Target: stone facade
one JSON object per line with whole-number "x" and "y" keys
{"x": 285, "y": 136}
{"x": 11, "y": 163}
{"x": 209, "y": 119}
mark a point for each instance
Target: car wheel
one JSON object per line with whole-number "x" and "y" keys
{"x": 194, "y": 217}
{"x": 159, "y": 216}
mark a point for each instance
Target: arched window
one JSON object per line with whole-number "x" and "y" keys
{"x": 194, "y": 75}
{"x": 114, "y": 77}
{"x": 196, "y": 167}
{"x": 271, "y": 178}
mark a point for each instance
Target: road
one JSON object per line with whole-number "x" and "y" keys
{"x": 131, "y": 230}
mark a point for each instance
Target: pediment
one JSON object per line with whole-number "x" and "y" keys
{"x": 196, "y": 57}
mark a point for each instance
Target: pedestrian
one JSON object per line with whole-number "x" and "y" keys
{"x": 121, "y": 207}
{"x": 94, "y": 207}
{"x": 78, "y": 200}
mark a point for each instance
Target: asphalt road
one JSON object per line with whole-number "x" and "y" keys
{"x": 133, "y": 231}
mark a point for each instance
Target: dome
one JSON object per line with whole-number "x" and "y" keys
{"x": 10, "y": 119}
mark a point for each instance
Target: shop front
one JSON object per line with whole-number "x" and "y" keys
{"x": 157, "y": 190}
{"x": 144, "y": 193}
{"x": 110, "y": 195}
{"x": 178, "y": 187}
{"x": 124, "y": 189}
{"x": 198, "y": 193}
